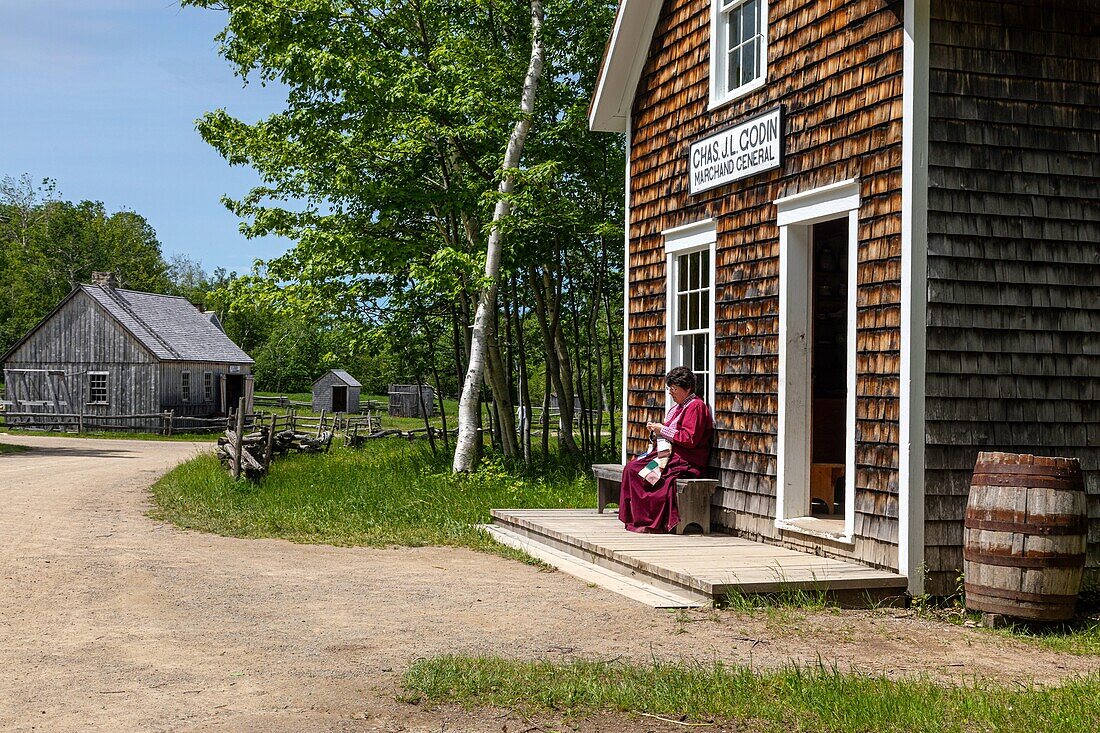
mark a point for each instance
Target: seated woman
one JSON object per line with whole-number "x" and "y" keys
{"x": 648, "y": 499}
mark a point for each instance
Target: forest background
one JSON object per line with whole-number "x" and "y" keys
{"x": 384, "y": 168}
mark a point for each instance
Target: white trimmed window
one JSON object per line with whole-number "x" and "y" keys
{"x": 185, "y": 386}
{"x": 208, "y": 386}
{"x": 97, "y": 388}
{"x": 738, "y": 48}
{"x": 690, "y": 252}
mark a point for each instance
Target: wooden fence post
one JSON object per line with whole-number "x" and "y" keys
{"x": 270, "y": 447}
{"x": 321, "y": 424}
{"x": 237, "y": 440}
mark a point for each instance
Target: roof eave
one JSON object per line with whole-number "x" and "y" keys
{"x": 623, "y": 60}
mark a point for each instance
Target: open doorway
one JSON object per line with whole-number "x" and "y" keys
{"x": 828, "y": 365}
{"x": 339, "y": 398}
{"x": 817, "y": 361}
{"x": 234, "y": 390}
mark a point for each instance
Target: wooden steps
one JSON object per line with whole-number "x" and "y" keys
{"x": 632, "y": 587}
{"x": 709, "y": 566}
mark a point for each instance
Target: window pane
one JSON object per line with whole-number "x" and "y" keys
{"x": 700, "y": 360}
{"x": 693, "y": 271}
{"x": 681, "y": 281}
{"x": 681, "y": 312}
{"x": 704, "y": 309}
{"x": 734, "y": 71}
{"x": 704, "y": 267}
{"x": 748, "y": 61}
{"x": 749, "y": 13}
{"x": 693, "y": 311}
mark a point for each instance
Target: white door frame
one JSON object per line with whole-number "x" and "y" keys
{"x": 796, "y": 216}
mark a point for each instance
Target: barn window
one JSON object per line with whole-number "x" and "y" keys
{"x": 208, "y": 386}
{"x": 97, "y": 388}
{"x": 738, "y": 52}
{"x": 185, "y": 386}
{"x": 690, "y": 252}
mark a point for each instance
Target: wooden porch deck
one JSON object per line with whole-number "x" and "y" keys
{"x": 691, "y": 566}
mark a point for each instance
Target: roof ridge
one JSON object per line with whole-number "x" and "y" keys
{"x": 133, "y": 314}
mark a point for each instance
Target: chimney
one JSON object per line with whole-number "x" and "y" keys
{"x": 105, "y": 280}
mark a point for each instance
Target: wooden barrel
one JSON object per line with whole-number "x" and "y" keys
{"x": 1024, "y": 536}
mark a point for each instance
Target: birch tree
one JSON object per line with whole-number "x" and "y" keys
{"x": 485, "y": 319}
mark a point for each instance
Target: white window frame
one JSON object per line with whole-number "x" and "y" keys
{"x": 185, "y": 386}
{"x": 106, "y": 388}
{"x": 796, "y": 216}
{"x": 683, "y": 240}
{"x": 208, "y": 386}
{"x": 719, "y": 58}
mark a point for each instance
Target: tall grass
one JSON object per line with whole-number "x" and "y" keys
{"x": 822, "y": 700}
{"x": 391, "y": 493}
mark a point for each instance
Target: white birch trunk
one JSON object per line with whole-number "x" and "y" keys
{"x": 468, "y": 434}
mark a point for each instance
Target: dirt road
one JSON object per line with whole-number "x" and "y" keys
{"x": 112, "y": 621}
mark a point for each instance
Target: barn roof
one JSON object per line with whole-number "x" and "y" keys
{"x": 343, "y": 377}
{"x": 169, "y": 326}
{"x": 623, "y": 59}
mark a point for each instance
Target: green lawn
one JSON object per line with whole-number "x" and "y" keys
{"x": 5, "y": 448}
{"x": 817, "y": 700}
{"x": 391, "y": 493}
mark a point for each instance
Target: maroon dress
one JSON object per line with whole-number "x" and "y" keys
{"x": 646, "y": 508}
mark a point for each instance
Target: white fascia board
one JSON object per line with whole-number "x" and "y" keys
{"x": 622, "y": 65}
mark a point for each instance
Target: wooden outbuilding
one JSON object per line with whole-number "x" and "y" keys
{"x": 336, "y": 391}
{"x": 872, "y": 228}
{"x": 104, "y": 351}
{"x": 404, "y": 401}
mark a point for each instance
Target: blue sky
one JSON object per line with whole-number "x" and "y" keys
{"x": 102, "y": 96}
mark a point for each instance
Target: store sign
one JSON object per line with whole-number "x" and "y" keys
{"x": 750, "y": 148}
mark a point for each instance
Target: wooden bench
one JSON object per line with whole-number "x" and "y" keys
{"x": 692, "y": 495}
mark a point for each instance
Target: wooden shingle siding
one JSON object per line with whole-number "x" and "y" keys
{"x": 81, "y": 337}
{"x": 171, "y": 390}
{"x": 835, "y": 66}
{"x": 1013, "y": 360}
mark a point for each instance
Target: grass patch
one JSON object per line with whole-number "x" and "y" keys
{"x": 793, "y": 699}
{"x": 394, "y": 493}
{"x": 7, "y": 448}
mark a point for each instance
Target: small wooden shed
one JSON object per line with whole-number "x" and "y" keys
{"x": 405, "y": 403}
{"x": 336, "y": 391}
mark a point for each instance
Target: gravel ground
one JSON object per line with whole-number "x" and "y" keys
{"x": 112, "y": 621}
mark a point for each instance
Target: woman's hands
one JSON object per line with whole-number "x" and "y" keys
{"x": 654, "y": 427}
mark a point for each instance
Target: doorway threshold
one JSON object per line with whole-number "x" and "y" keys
{"x": 826, "y": 529}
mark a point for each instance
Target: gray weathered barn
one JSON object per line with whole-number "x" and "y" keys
{"x": 104, "y": 351}
{"x": 336, "y": 391}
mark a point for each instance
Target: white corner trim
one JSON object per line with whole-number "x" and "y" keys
{"x": 914, "y": 293}
{"x": 624, "y": 420}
